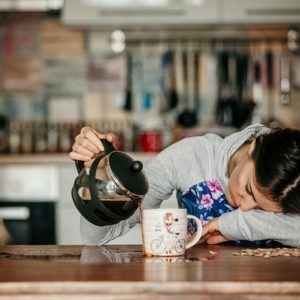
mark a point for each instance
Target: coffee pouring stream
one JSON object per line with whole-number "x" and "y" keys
{"x": 112, "y": 189}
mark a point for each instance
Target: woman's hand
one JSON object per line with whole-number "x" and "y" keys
{"x": 87, "y": 145}
{"x": 211, "y": 233}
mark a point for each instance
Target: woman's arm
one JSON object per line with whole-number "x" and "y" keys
{"x": 257, "y": 224}
{"x": 99, "y": 235}
{"x": 176, "y": 167}
{"x": 160, "y": 175}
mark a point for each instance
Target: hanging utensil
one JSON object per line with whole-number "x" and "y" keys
{"x": 188, "y": 117}
{"x": 128, "y": 95}
{"x": 169, "y": 85}
{"x": 179, "y": 77}
{"x": 285, "y": 86}
{"x": 173, "y": 98}
{"x": 269, "y": 62}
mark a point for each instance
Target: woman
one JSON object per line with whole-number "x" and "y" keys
{"x": 243, "y": 187}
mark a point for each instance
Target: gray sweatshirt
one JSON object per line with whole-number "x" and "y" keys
{"x": 194, "y": 160}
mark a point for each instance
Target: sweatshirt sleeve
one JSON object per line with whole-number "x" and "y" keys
{"x": 99, "y": 235}
{"x": 261, "y": 225}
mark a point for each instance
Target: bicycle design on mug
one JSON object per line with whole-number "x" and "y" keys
{"x": 160, "y": 245}
{"x": 171, "y": 241}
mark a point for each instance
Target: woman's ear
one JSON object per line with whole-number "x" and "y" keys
{"x": 251, "y": 148}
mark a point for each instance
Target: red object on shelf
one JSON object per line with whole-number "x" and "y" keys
{"x": 150, "y": 141}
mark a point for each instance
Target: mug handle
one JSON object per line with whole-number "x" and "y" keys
{"x": 197, "y": 235}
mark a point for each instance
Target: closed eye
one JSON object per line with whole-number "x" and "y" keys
{"x": 249, "y": 192}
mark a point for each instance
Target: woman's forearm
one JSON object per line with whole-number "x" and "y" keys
{"x": 261, "y": 225}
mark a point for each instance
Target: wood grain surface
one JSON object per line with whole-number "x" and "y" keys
{"x": 122, "y": 272}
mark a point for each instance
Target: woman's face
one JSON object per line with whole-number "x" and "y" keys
{"x": 242, "y": 188}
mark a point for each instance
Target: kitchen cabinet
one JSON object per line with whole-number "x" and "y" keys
{"x": 50, "y": 178}
{"x": 28, "y": 195}
{"x": 180, "y": 13}
{"x": 260, "y": 12}
{"x": 133, "y": 13}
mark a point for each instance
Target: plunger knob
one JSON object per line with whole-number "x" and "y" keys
{"x": 136, "y": 166}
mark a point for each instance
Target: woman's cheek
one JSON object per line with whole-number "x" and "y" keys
{"x": 248, "y": 205}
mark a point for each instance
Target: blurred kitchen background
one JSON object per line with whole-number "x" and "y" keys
{"x": 151, "y": 71}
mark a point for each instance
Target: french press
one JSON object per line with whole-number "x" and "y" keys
{"x": 112, "y": 189}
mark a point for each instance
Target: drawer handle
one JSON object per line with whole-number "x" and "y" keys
{"x": 14, "y": 213}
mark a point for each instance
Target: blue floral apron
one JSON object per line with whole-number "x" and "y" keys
{"x": 206, "y": 200}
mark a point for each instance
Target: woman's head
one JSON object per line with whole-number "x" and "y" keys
{"x": 243, "y": 190}
{"x": 276, "y": 159}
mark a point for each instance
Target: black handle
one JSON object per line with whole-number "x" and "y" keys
{"x": 108, "y": 148}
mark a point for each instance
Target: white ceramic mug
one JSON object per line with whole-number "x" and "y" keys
{"x": 165, "y": 231}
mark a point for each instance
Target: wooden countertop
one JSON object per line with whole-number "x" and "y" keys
{"x": 122, "y": 272}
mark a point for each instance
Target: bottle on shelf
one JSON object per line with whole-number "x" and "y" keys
{"x": 40, "y": 137}
{"x": 64, "y": 137}
{"x": 4, "y": 140}
{"x": 52, "y": 137}
{"x": 14, "y": 137}
{"x": 26, "y": 142}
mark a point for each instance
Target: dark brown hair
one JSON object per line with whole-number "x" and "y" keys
{"x": 277, "y": 167}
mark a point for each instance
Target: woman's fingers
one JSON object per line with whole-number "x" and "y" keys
{"x": 87, "y": 144}
{"x": 211, "y": 227}
{"x": 217, "y": 239}
{"x": 110, "y": 137}
{"x": 204, "y": 238}
{"x": 83, "y": 144}
{"x": 88, "y": 139}
{"x": 91, "y": 139}
{"x": 77, "y": 156}
{"x": 211, "y": 233}
{"x": 84, "y": 147}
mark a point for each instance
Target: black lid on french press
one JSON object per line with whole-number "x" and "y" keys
{"x": 128, "y": 173}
